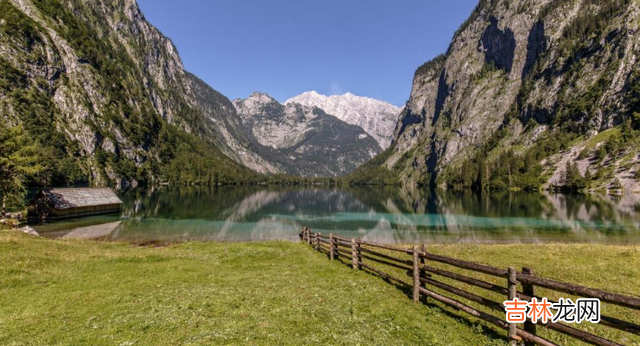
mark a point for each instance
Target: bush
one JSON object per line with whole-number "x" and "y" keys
{"x": 601, "y": 154}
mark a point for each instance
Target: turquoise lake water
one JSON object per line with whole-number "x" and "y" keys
{"x": 385, "y": 215}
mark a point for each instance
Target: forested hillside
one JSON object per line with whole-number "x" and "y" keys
{"x": 106, "y": 97}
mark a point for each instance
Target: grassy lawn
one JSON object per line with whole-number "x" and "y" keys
{"x": 89, "y": 293}
{"x": 85, "y": 293}
{"x": 611, "y": 268}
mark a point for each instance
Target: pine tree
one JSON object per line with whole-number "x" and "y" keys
{"x": 19, "y": 161}
{"x": 484, "y": 175}
{"x": 573, "y": 180}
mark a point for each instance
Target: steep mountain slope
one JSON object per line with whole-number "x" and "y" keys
{"x": 226, "y": 129}
{"x": 377, "y": 118}
{"x": 107, "y": 96}
{"x": 304, "y": 140}
{"x": 526, "y": 89}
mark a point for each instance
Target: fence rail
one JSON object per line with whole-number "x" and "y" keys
{"x": 423, "y": 279}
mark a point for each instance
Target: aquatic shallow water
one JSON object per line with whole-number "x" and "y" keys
{"x": 385, "y": 215}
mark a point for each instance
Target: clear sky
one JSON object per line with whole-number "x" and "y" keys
{"x": 285, "y": 47}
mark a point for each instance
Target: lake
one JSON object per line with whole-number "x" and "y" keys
{"x": 384, "y": 215}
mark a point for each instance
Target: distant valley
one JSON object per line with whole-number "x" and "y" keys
{"x": 530, "y": 95}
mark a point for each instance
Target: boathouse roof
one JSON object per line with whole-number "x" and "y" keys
{"x": 68, "y": 198}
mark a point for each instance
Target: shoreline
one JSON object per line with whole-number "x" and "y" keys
{"x": 27, "y": 229}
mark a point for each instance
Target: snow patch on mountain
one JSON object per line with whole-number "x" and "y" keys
{"x": 377, "y": 118}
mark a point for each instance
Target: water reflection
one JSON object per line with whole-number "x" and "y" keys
{"x": 386, "y": 215}
{"x": 98, "y": 231}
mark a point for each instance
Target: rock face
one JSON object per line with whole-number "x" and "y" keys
{"x": 375, "y": 117}
{"x": 302, "y": 140}
{"x": 108, "y": 93}
{"x": 225, "y": 127}
{"x": 516, "y": 76}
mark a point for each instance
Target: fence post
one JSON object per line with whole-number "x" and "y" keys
{"x": 513, "y": 293}
{"x": 331, "y": 247}
{"x": 354, "y": 254}
{"x": 416, "y": 274}
{"x": 359, "y": 252}
{"x": 318, "y": 237}
{"x": 423, "y": 261}
{"x": 528, "y": 290}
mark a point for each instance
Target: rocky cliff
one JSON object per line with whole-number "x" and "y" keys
{"x": 302, "y": 140}
{"x": 377, "y": 118}
{"x": 107, "y": 96}
{"x": 526, "y": 89}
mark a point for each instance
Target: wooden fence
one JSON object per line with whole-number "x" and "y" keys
{"x": 421, "y": 272}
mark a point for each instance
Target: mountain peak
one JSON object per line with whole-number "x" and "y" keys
{"x": 377, "y": 118}
{"x": 303, "y": 140}
{"x": 254, "y": 103}
{"x": 260, "y": 96}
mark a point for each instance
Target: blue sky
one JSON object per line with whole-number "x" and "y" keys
{"x": 285, "y": 47}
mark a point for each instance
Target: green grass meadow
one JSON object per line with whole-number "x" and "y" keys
{"x": 608, "y": 267}
{"x": 272, "y": 293}
{"x": 275, "y": 293}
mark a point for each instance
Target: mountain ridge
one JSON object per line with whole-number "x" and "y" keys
{"x": 305, "y": 140}
{"x": 376, "y": 117}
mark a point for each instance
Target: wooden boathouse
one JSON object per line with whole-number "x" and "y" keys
{"x": 65, "y": 203}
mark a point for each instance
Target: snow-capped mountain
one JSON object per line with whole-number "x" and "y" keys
{"x": 377, "y": 118}
{"x": 275, "y": 125}
{"x": 303, "y": 140}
